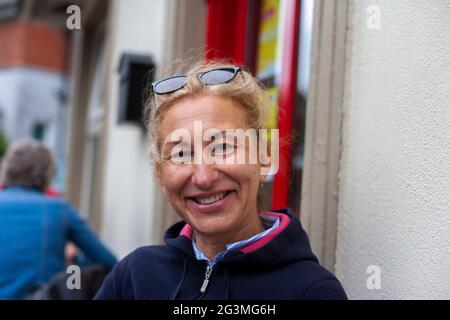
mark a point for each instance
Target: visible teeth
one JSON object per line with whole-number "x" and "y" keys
{"x": 211, "y": 199}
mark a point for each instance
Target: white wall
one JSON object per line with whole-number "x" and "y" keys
{"x": 29, "y": 96}
{"x": 129, "y": 188}
{"x": 394, "y": 208}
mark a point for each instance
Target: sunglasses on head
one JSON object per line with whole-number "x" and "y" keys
{"x": 208, "y": 78}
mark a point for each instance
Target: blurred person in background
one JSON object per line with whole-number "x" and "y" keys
{"x": 35, "y": 228}
{"x": 225, "y": 248}
{"x": 3, "y": 146}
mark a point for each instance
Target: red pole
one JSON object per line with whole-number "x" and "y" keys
{"x": 288, "y": 84}
{"x": 226, "y": 30}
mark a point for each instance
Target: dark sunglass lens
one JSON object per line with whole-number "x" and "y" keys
{"x": 217, "y": 76}
{"x": 170, "y": 85}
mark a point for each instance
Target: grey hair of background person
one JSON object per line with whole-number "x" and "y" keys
{"x": 28, "y": 163}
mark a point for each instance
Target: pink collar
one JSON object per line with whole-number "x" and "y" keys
{"x": 284, "y": 222}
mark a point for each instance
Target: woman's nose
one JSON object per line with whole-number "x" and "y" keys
{"x": 204, "y": 175}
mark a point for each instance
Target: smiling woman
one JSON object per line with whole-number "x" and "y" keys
{"x": 218, "y": 201}
{"x": 224, "y": 248}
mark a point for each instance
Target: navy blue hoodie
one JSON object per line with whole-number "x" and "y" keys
{"x": 280, "y": 265}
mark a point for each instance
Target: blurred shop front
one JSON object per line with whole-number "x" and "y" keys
{"x": 34, "y": 82}
{"x": 272, "y": 39}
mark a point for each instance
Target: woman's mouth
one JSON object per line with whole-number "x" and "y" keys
{"x": 209, "y": 203}
{"x": 210, "y": 199}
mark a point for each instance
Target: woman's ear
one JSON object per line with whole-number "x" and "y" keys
{"x": 265, "y": 163}
{"x": 266, "y": 156}
{"x": 158, "y": 177}
{"x": 263, "y": 172}
{"x": 157, "y": 172}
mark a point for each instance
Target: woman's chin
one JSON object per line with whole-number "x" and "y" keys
{"x": 212, "y": 225}
{"x": 213, "y": 230}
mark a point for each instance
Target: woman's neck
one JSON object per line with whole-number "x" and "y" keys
{"x": 211, "y": 246}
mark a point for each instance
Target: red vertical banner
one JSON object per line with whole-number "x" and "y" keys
{"x": 288, "y": 84}
{"x": 226, "y": 29}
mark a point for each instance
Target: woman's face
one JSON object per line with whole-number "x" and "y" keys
{"x": 215, "y": 199}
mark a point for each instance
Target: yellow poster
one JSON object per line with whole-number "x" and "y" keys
{"x": 267, "y": 46}
{"x": 272, "y": 117}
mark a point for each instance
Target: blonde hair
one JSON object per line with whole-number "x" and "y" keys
{"x": 243, "y": 89}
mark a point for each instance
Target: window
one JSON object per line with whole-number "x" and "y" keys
{"x": 38, "y": 131}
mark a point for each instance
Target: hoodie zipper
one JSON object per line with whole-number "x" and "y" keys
{"x": 208, "y": 272}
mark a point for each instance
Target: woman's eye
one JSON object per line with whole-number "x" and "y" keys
{"x": 224, "y": 148}
{"x": 181, "y": 155}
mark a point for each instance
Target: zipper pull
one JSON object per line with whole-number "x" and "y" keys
{"x": 206, "y": 280}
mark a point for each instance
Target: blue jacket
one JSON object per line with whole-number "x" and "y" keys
{"x": 280, "y": 265}
{"x": 33, "y": 232}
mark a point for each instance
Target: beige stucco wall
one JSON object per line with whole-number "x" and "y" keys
{"x": 394, "y": 201}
